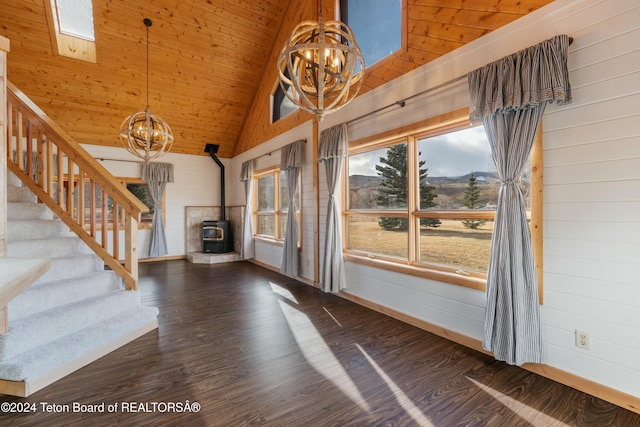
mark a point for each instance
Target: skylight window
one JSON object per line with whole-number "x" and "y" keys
{"x": 75, "y": 18}
{"x": 71, "y": 28}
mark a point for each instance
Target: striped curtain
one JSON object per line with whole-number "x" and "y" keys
{"x": 157, "y": 175}
{"x": 248, "y": 244}
{"x": 290, "y": 163}
{"x": 331, "y": 151}
{"x": 510, "y": 96}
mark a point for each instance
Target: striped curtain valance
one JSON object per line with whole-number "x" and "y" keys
{"x": 291, "y": 155}
{"x": 333, "y": 142}
{"x": 246, "y": 171}
{"x": 530, "y": 77}
{"x": 162, "y": 172}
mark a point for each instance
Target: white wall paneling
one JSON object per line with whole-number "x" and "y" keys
{"x": 591, "y": 189}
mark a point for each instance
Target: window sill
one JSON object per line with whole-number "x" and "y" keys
{"x": 268, "y": 240}
{"x": 420, "y": 271}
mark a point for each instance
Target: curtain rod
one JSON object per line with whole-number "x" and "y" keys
{"x": 273, "y": 151}
{"x": 102, "y": 159}
{"x": 403, "y": 102}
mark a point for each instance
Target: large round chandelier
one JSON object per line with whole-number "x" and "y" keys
{"x": 145, "y": 134}
{"x": 320, "y": 66}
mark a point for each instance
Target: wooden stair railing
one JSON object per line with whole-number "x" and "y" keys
{"x": 77, "y": 188}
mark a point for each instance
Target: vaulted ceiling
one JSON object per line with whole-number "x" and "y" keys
{"x": 212, "y": 63}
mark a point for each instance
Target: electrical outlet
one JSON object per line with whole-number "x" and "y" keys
{"x": 582, "y": 339}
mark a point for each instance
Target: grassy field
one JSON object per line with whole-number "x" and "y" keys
{"x": 450, "y": 244}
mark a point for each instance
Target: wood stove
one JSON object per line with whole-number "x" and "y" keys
{"x": 216, "y": 237}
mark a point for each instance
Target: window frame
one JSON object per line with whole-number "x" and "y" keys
{"x": 438, "y": 125}
{"x": 278, "y": 96}
{"x": 403, "y": 37}
{"x": 278, "y": 237}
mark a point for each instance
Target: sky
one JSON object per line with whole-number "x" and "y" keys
{"x": 453, "y": 154}
{"x": 379, "y": 40}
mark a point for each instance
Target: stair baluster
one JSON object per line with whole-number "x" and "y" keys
{"x": 58, "y": 173}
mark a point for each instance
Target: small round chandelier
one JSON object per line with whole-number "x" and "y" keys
{"x": 145, "y": 134}
{"x": 320, "y": 66}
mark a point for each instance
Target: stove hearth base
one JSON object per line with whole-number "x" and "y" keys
{"x": 205, "y": 258}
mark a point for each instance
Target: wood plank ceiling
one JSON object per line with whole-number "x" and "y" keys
{"x": 210, "y": 62}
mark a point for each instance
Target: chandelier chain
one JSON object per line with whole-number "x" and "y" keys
{"x": 147, "y": 64}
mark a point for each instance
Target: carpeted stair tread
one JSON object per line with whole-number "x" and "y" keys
{"x": 30, "y": 332}
{"x": 24, "y": 211}
{"x": 55, "y": 354}
{"x": 35, "y": 229}
{"x": 54, "y": 247}
{"x": 46, "y": 296}
{"x": 20, "y": 194}
{"x": 71, "y": 266}
{"x": 12, "y": 180}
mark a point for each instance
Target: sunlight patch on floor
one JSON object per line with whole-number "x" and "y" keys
{"x": 403, "y": 400}
{"x": 319, "y": 355}
{"x": 283, "y": 292}
{"x": 526, "y": 412}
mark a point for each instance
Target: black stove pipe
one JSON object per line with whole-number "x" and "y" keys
{"x": 212, "y": 149}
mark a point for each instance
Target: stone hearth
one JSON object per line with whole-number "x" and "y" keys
{"x": 194, "y": 217}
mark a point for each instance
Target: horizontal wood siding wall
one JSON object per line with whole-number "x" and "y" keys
{"x": 592, "y": 201}
{"x": 591, "y": 192}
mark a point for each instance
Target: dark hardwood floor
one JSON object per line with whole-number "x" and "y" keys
{"x": 252, "y": 347}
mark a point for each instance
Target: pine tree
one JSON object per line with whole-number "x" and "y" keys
{"x": 393, "y": 189}
{"x": 142, "y": 193}
{"x": 427, "y": 197}
{"x": 472, "y": 201}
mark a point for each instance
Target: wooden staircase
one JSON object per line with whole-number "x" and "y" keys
{"x": 63, "y": 205}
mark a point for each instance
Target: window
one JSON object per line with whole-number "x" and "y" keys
{"x": 71, "y": 28}
{"x": 281, "y": 104}
{"x": 425, "y": 201}
{"x": 136, "y": 186}
{"x": 378, "y": 189}
{"x": 272, "y": 203}
{"x": 140, "y": 189}
{"x": 376, "y": 25}
{"x": 75, "y": 18}
{"x": 457, "y": 176}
